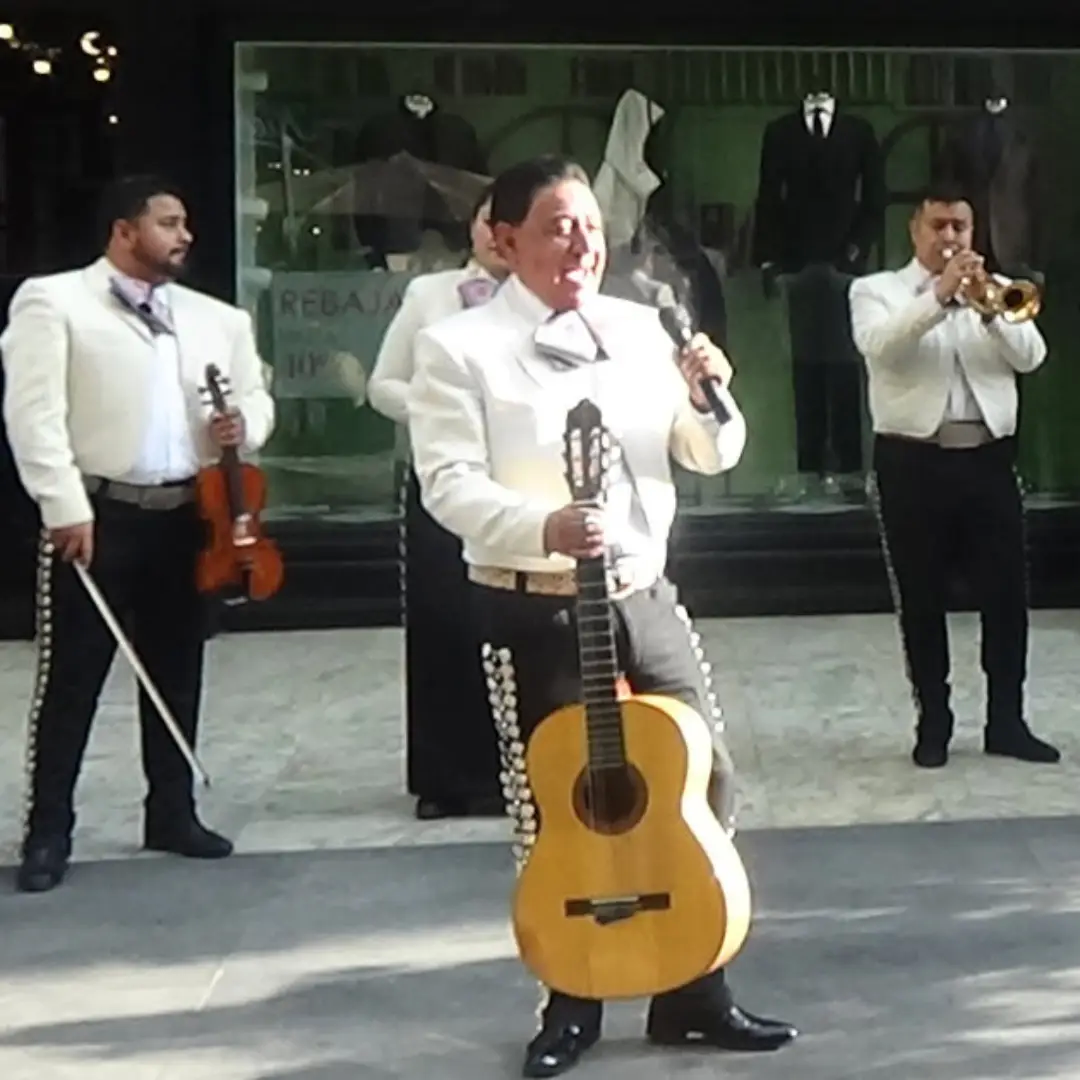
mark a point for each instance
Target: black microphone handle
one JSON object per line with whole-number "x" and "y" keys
{"x": 708, "y": 386}
{"x": 720, "y": 410}
{"x": 681, "y": 332}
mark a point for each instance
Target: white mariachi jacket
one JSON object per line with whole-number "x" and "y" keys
{"x": 487, "y": 413}
{"x": 912, "y": 346}
{"x": 427, "y": 299}
{"x": 79, "y": 372}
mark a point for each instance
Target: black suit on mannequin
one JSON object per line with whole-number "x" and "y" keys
{"x": 438, "y": 137}
{"x": 820, "y": 206}
{"x": 993, "y": 159}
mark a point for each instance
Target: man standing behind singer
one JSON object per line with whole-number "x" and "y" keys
{"x": 944, "y": 406}
{"x": 105, "y": 411}
{"x": 451, "y": 753}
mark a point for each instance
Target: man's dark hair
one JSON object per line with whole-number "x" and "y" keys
{"x": 515, "y": 189}
{"x": 946, "y": 189}
{"x": 480, "y": 200}
{"x": 127, "y": 198}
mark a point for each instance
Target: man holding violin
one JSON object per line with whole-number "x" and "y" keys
{"x": 109, "y": 425}
{"x": 944, "y": 343}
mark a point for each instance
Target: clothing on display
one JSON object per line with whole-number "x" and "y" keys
{"x": 645, "y": 232}
{"x": 625, "y": 181}
{"x": 827, "y": 373}
{"x": 819, "y": 211}
{"x": 993, "y": 158}
{"x": 418, "y": 126}
{"x": 821, "y": 197}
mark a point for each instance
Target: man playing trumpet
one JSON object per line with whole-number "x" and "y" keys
{"x": 943, "y": 343}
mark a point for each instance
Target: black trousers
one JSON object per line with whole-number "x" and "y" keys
{"x": 826, "y": 372}
{"x": 941, "y": 509}
{"x": 144, "y": 565}
{"x": 657, "y": 654}
{"x": 451, "y": 748}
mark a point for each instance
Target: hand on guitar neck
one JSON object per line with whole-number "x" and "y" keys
{"x": 576, "y": 530}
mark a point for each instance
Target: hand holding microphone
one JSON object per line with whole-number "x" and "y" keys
{"x": 703, "y": 364}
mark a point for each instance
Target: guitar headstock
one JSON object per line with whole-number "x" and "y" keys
{"x": 217, "y": 389}
{"x": 585, "y": 452}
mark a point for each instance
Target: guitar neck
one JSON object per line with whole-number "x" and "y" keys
{"x": 599, "y": 666}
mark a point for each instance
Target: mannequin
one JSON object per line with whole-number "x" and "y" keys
{"x": 417, "y": 125}
{"x": 994, "y": 160}
{"x": 819, "y": 211}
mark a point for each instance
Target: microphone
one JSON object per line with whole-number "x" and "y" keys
{"x": 675, "y": 320}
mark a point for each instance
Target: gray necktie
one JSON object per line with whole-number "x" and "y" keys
{"x": 151, "y": 308}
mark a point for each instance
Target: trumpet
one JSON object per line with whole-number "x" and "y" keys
{"x": 1015, "y": 301}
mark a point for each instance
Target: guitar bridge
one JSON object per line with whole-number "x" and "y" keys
{"x": 616, "y": 908}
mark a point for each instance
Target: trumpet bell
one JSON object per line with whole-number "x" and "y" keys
{"x": 1014, "y": 301}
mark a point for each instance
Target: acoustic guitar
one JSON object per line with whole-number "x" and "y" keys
{"x": 632, "y": 886}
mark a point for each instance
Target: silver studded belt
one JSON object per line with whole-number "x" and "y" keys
{"x": 145, "y": 496}
{"x": 545, "y": 583}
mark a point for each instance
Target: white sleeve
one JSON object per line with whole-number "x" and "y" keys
{"x": 35, "y": 356}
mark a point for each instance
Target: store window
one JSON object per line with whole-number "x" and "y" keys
{"x": 325, "y": 248}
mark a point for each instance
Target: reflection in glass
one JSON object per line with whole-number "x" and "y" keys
{"x": 752, "y": 183}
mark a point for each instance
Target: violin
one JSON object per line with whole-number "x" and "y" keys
{"x": 237, "y": 559}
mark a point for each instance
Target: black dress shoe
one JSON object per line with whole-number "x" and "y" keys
{"x": 191, "y": 839}
{"x": 44, "y": 865}
{"x": 485, "y": 806}
{"x": 1018, "y": 742}
{"x": 435, "y": 809}
{"x": 672, "y": 1023}
{"x": 558, "y": 1048}
{"x": 930, "y": 754}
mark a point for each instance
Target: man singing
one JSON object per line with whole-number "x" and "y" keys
{"x": 943, "y": 400}
{"x": 487, "y": 413}
{"x": 105, "y": 412}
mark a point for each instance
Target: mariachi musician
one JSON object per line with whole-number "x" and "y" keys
{"x": 109, "y": 426}
{"x": 487, "y": 413}
{"x": 452, "y": 753}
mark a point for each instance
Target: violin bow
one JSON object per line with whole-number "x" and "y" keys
{"x": 141, "y": 674}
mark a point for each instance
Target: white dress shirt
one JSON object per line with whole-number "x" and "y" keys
{"x": 930, "y": 363}
{"x": 487, "y": 415}
{"x": 168, "y": 451}
{"x": 427, "y": 299}
{"x": 826, "y": 108}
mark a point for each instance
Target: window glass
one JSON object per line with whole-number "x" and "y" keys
{"x": 700, "y": 161}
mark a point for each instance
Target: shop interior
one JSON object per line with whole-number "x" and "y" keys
{"x": 715, "y": 183}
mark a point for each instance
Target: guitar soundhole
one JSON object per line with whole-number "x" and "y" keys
{"x": 611, "y": 801}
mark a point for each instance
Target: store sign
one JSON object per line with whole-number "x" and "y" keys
{"x": 327, "y": 328}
